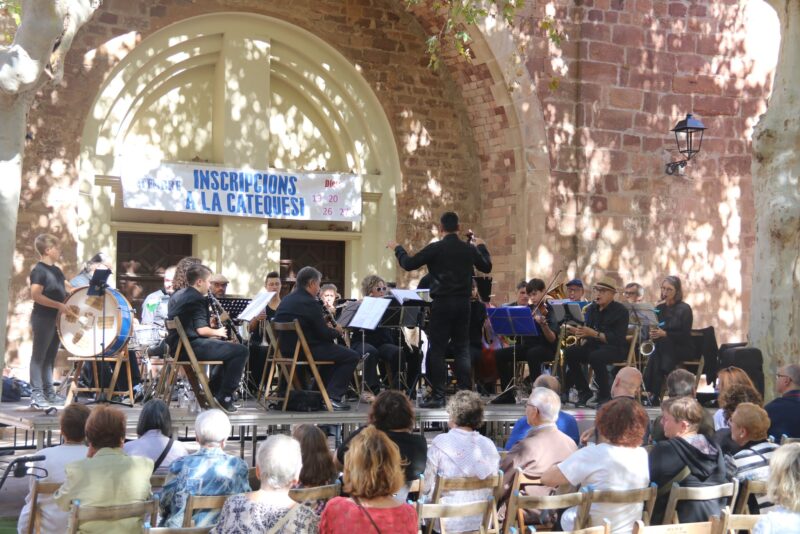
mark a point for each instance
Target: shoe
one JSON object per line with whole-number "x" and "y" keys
{"x": 39, "y": 401}
{"x": 433, "y": 402}
{"x": 583, "y": 397}
{"x": 507, "y": 397}
{"x": 226, "y": 403}
{"x": 339, "y": 406}
{"x": 597, "y": 402}
{"x": 54, "y": 398}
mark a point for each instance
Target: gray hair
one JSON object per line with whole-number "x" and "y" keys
{"x": 212, "y": 427}
{"x": 279, "y": 461}
{"x": 306, "y": 275}
{"x": 547, "y": 402}
{"x": 547, "y": 381}
{"x": 680, "y": 383}
{"x": 793, "y": 372}
{"x": 465, "y": 408}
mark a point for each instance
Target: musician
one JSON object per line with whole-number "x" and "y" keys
{"x": 523, "y": 299}
{"x": 673, "y": 336}
{"x": 101, "y": 259}
{"x": 258, "y": 337}
{"x": 601, "y": 341}
{"x": 302, "y": 304}
{"x": 179, "y": 280}
{"x": 633, "y": 293}
{"x": 477, "y": 325}
{"x": 328, "y": 294}
{"x": 575, "y": 290}
{"x": 49, "y": 290}
{"x": 450, "y": 262}
{"x": 190, "y": 305}
{"x": 219, "y": 285}
{"x": 154, "y": 310}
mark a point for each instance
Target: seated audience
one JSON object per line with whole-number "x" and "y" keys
{"x": 270, "y": 509}
{"x": 734, "y": 395}
{"x": 783, "y": 489}
{"x": 617, "y": 462}
{"x": 209, "y": 471}
{"x": 544, "y": 446}
{"x": 107, "y": 476}
{"x": 784, "y": 412}
{"x": 393, "y": 413}
{"x": 462, "y": 452}
{"x": 566, "y": 423}
{"x": 627, "y": 385}
{"x": 53, "y": 520}
{"x": 702, "y": 459}
{"x": 319, "y": 468}
{"x": 748, "y": 426}
{"x": 372, "y": 475}
{"x": 725, "y": 379}
{"x": 682, "y": 383}
{"x": 155, "y": 437}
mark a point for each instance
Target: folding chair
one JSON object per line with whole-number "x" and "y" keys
{"x": 704, "y": 493}
{"x": 517, "y": 503}
{"x": 786, "y": 439}
{"x": 707, "y": 527}
{"x": 646, "y": 496}
{"x": 144, "y": 510}
{"x": 748, "y": 488}
{"x": 431, "y": 512}
{"x": 288, "y": 366}
{"x": 158, "y": 481}
{"x": 121, "y": 362}
{"x": 39, "y": 489}
{"x": 272, "y": 353}
{"x": 605, "y": 528}
{"x": 493, "y": 483}
{"x": 320, "y": 493}
{"x": 191, "y": 369}
{"x": 167, "y": 530}
{"x": 731, "y": 523}
{"x": 201, "y": 502}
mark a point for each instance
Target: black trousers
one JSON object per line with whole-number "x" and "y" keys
{"x": 534, "y": 356}
{"x": 43, "y": 356}
{"x": 233, "y": 356}
{"x": 598, "y": 356}
{"x": 449, "y": 327}
{"x": 387, "y": 354}
{"x": 662, "y": 362}
{"x": 336, "y": 376}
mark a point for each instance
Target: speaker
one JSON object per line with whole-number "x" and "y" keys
{"x": 748, "y": 359}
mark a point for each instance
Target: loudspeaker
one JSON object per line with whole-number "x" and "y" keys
{"x": 748, "y": 359}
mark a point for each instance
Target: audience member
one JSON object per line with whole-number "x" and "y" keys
{"x": 318, "y": 467}
{"x": 784, "y": 412}
{"x": 617, "y": 462}
{"x": 209, "y": 471}
{"x": 543, "y": 447}
{"x": 749, "y": 425}
{"x": 783, "y": 489}
{"x": 734, "y": 395}
{"x": 462, "y": 452}
{"x": 688, "y": 458}
{"x": 682, "y": 383}
{"x": 155, "y": 437}
{"x": 566, "y": 422}
{"x": 393, "y": 413}
{"x": 372, "y": 475}
{"x": 270, "y": 509}
{"x": 725, "y": 379}
{"x": 627, "y": 385}
{"x": 53, "y": 520}
{"x": 107, "y": 476}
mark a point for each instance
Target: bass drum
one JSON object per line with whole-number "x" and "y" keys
{"x": 89, "y": 329}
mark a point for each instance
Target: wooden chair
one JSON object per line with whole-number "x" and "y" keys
{"x": 647, "y": 496}
{"x": 705, "y": 493}
{"x": 145, "y": 510}
{"x": 731, "y": 523}
{"x": 121, "y": 362}
{"x": 167, "y": 530}
{"x": 191, "y": 369}
{"x": 39, "y": 489}
{"x": 444, "y": 484}
{"x": 272, "y": 351}
{"x": 748, "y": 488}
{"x": 707, "y": 527}
{"x": 605, "y": 528}
{"x": 517, "y": 503}
{"x": 201, "y": 502}
{"x": 158, "y": 481}
{"x": 700, "y": 361}
{"x": 320, "y": 493}
{"x": 786, "y": 439}
{"x": 288, "y": 365}
{"x": 431, "y": 512}
{"x": 253, "y": 480}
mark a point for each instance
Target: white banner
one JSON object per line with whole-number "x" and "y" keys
{"x": 219, "y": 190}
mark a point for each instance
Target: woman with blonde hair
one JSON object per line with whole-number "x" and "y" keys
{"x": 725, "y": 379}
{"x": 372, "y": 475}
{"x": 749, "y": 426}
{"x": 783, "y": 489}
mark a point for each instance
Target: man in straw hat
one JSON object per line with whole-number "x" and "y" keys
{"x": 601, "y": 341}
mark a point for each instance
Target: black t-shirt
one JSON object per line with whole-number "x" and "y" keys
{"x": 51, "y": 279}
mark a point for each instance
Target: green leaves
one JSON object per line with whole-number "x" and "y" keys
{"x": 11, "y": 8}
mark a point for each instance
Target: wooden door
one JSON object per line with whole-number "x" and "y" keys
{"x": 142, "y": 259}
{"x": 326, "y": 256}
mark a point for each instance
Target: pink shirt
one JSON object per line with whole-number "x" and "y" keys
{"x": 343, "y": 516}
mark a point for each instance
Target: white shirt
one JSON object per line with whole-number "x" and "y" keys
{"x": 53, "y": 520}
{"x": 778, "y": 521}
{"x": 719, "y": 420}
{"x": 460, "y": 453}
{"x": 151, "y": 445}
{"x": 608, "y": 467}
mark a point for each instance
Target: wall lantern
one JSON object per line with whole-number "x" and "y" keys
{"x": 689, "y": 138}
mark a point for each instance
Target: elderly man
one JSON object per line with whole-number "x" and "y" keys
{"x": 575, "y": 290}
{"x": 627, "y": 384}
{"x": 682, "y": 383}
{"x": 209, "y": 471}
{"x": 566, "y": 423}
{"x": 633, "y": 293}
{"x": 784, "y": 412}
{"x": 544, "y": 446}
{"x": 219, "y": 285}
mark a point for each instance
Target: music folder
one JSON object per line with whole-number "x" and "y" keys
{"x": 99, "y": 282}
{"x": 255, "y": 306}
{"x": 369, "y": 313}
{"x": 641, "y": 314}
{"x": 513, "y": 321}
{"x": 566, "y": 310}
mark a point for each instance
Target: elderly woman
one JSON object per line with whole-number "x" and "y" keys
{"x": 72, "y": 423}
{"x": 749, "y": 425}
{"x": 209, "y": 471}
{"x": 372, "y": 476}
{"x": 688, "y": 458}
{"x": 462, "y": 452}
{"x": 107, "y": 476}
{"x": 783, "y": 489}
{"x": 617, "y": 462}
{"x": 155, "y": 437}
{"x": 270, "y": 509}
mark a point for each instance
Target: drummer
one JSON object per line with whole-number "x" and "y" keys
{"x": 154, "y": 311}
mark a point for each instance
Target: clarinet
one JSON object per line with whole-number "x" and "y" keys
{"x": 230, "y": 328}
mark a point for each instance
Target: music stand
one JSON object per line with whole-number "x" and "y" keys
{"x": 399, "y": 316}
{"x": 513, "y": 321}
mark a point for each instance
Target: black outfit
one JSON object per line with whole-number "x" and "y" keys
{"x": 722, "y": 437}
{"x": 450, "y": 262}
{"x": 613, "y": 323}
{"x": 668, "y": 458}
{"x": 706, "y": 428}
{"x": 300, "y": 305}
{"x": 43, "y": 326}
{"x": 258, "y": 354}
{"x": 379, "y": 347}
{"x": 672, "y": 349}
{"x": 413, "y": 451}
{"x": 535, "y": 350}
{"x": 191, "y": 307}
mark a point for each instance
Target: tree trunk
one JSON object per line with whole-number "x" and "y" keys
{"x": 775, "y": 306}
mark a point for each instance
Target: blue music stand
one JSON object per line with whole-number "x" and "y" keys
{"x": 513, "y": 321}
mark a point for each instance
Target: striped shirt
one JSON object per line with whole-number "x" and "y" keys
{"x": 752, "y": 463}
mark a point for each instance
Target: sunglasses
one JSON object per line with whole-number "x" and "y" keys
{"x": 381, "y": 289}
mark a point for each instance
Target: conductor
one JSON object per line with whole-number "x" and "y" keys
{"x": 450, "y": 262}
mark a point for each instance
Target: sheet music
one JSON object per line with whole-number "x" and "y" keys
{"x": 369, "y": 313}
{"x": 402, "y": 295}
{"x": 256, "y": 305}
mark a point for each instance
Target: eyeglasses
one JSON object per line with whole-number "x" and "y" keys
{"x": 630, "y": 293}
{"x": 380, "y": 289}
{"x": 782, "y": 376}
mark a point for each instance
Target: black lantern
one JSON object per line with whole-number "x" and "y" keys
{"x": 689, "y": 138}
